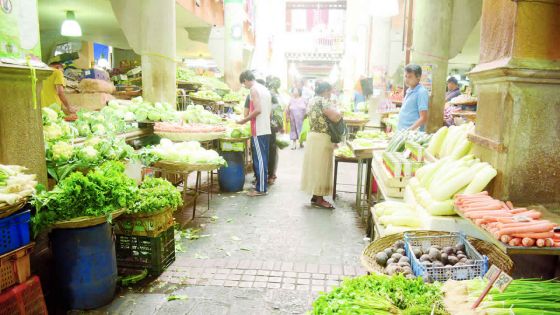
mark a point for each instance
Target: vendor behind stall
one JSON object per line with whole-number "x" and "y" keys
{"x": 53, "y": 89}
{"x": 453, "y": 90}
{"x": 414, "y": 111}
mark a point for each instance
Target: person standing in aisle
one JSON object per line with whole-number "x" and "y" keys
{"x": 276, "y": 125}
{"x": 414, "y": 111}
{"x": 296, "y": 112}
{"x": 53, "y": 90}
{"x": 317, "y": 175}
{"x": 259, "y": 115}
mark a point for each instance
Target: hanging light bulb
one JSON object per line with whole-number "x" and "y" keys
{"x": 70, "y": 26}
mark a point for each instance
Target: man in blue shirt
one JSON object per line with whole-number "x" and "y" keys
{"x": 414, "y": 110}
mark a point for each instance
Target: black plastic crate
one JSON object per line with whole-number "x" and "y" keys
{"x": 143, "y": 252}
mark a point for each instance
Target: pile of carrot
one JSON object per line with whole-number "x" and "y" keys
{"x": 513, "y": 226}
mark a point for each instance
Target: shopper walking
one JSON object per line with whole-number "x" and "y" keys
{"x": 317, "y": 176}
{"x": 259, "y": 116}
{"x": 414, "y": 111}
{"x": 296, "y": 113}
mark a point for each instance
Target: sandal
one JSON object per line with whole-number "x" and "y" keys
{"x": 324, "y": 204}
{"x": 254, "y": 193}
{"x": 313, "y": 200}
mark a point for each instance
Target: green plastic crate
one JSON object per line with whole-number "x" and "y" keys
{"x": 143, "y": 252}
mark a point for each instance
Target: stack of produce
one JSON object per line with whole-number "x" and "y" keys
{"x": 366, "y": 144}
{"x": 381, "y": 294}
{"x": 397, "y": 214}
{"x": 197, "y": 114}
{"x": 147, "y": 111}
{"x": 451, "y": 141}
{"x": 371, "y": 134}
{"x": 183, "y": 152}
{"x": 510, "y": 225}
{"x": 54, "y": 125}
{"x": 99, "y": 193}
{"x": 522, "y": 296}
{"x": 435, "y": 184}
{"x": 187, "y": 128}
{"x": 355, "y": 116}
{"x": 397, "y": 142}
{"x": 63, "y": 158}
{"x": 344, "y": 151}
{"x": 186, "y": 75}
{"x": 155, "y": 194}
{"x": 235, "y": 131}
{"x": 400, "y": 165}
{"x": 236, "y": 97}
{"x": 395, "y": 261}
{"x": 208, "y": 95}
{"x": 15, "y": 185}
{"x": 102, "y": 123}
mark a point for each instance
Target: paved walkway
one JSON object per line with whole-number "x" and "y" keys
{"x": 263, "y": 255}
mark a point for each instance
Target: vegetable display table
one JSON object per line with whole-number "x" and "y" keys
{"x": 354, "y": 126}
{"x": 178, "y": 174}
{"x": 363, "y": 193}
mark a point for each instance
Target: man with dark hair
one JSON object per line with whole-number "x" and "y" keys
{"x": 414, "y": 111}
{"x": 259, "y": 115}
{"x": 453, "y": 89}
{"x": 53, "y": 89}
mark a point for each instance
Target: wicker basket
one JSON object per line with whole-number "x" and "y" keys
{"x": 191, "y": 136}
{"x": 82, "y": 222}
{"x": 7, "y": 210}
{"x": 495, "y": 255}
{"x": 186, "y": 167}
{"x": 145, "y": 224}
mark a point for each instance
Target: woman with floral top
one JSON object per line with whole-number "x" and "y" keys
{"x": 317, "y": 175}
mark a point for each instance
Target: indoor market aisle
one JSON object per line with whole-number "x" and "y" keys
{"x": 262, "y": 255}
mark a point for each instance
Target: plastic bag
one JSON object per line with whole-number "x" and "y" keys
{"x": 304, "y": 130}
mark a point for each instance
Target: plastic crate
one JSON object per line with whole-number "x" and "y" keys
{"x": 24, "y": 299}
{"x": 14, "y": 231}
{"x": 144, "y": 225}
{"x": 15, "y": 267}
{"x": 144, "y": 252}
{"x": 465, "y": 272}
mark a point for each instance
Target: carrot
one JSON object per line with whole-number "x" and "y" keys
{"x": 479, "y": 222}
{"x": 534, "y": 235}
{"x": 527, "y": 241}
{"x": 531, "y": 214}
{"x": 556, "y": 244}
{"x": 540, "y": 242}
{"x": 517, "y": 210}
{"x": 481, "y": 214}
{"x": 515, "y": 241}
{"x": 520, "y": 224}
{"x": 548, "y": 242}
{"x": 482, "y": 207}
{"x": 542, "y": 227}
{"x": 505, "y": 220}
{"x": 505, "y": 238}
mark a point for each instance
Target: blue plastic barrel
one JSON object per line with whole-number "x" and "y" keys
{"x": 85, "y": 266}
{"x": 232, "y": 176}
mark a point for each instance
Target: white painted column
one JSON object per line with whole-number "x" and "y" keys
{"x": 150, "y": 28}
{"x": 234, "y": 16}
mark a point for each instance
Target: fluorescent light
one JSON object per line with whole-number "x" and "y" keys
{"x": 384, "y": 8}
{"x": 70, "y": 26}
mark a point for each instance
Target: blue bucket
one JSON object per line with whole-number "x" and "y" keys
{"x": 85, "y": 266}
{"x": 232, "y": 176}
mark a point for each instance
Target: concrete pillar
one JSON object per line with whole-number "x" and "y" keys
{"x": 518, "y": 115}
{"x": 234, "y": 15}
{"x": 430, "y": 45}
{"x": 21, "y": 124}
{"x": 150, "y": 28}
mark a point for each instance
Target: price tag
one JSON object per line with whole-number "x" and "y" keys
{"x": 503, "y": 282}
{"x": 492, "y": 272}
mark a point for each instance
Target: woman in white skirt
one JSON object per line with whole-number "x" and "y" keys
{"x": 317, "y": 175}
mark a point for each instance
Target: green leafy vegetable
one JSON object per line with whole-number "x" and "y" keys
{"x": 100, "y": 192}
{"x": 380, "y": 294}
{"x": 155, "y": 194}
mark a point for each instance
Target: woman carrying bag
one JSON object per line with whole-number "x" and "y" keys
{"x": 326, "y": 129}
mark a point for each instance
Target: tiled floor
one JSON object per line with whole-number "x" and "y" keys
{"x": 264, "y": 255}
